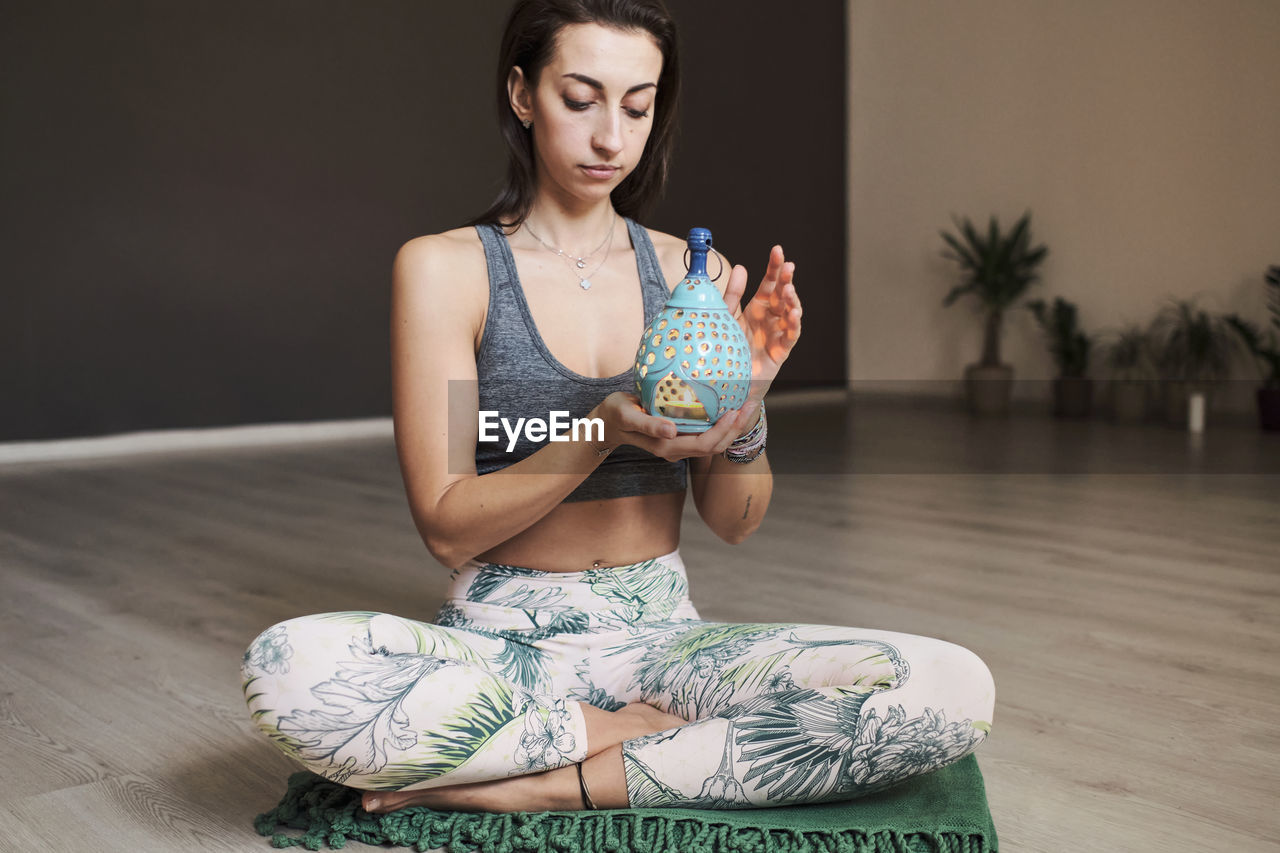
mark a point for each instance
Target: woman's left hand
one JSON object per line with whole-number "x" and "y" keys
{"x": 771, "y": 320}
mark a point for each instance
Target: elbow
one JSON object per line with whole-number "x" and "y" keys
{"x": 446, "y": 550}
{"x": 738, "y": 533}
{"x": 443, "y": 539}
{"x": 450, "y": 557}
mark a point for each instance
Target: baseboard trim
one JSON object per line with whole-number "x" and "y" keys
{"x": 179, "y": 440}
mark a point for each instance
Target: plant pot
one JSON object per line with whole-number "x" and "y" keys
{"x": 1072, "y": 396}
{"x": 1269, "y": 408}
{"x": 1128, "y": 402}
{"x": 987, "y": 389}
{"x": 1175, "y": 403}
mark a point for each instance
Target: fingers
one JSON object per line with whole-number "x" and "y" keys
{"x": 633, "y": 418}
{"x": 708, "y": 443}
{"x": 785, "y": 310}
{"x": 777, "y": 292}
{"x": 783, "y": 294}
{"x": 733, "y": 291}
{"x": 659, "y": 428}
{"x": 729, "y": 433}
{"x": 777, "y": 260}
{"x": 786, "y": 332}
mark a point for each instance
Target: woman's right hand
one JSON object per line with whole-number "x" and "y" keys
{"x": 626, "y": 422}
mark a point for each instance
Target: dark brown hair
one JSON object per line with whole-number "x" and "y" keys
{"x": 528, "y": 42}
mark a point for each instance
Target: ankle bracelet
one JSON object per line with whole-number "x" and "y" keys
{"x": 587, "y": 803}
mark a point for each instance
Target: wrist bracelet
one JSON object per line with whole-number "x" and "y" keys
{"x": 587, "y": 803}
{"x": 749, "y": 447}
{"x": 756, "y": 428}
{"x": 747, "y": 454}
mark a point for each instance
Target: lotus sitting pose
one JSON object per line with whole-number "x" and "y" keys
{"x": 568, "y": 668}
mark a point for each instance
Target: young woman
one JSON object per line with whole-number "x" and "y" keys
{"x": 568, "y": 668}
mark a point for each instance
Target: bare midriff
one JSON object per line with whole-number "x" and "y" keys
{"x": 575, "y": 537}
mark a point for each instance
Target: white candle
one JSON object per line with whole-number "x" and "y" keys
{"x": 1195, "y": 412}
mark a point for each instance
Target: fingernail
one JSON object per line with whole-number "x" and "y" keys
{"x": 372, "y": 804}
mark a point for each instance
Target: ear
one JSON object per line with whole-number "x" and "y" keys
{"x": 519, "y": 95}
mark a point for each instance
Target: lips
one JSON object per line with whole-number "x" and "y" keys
{"x": 601, "y": 171}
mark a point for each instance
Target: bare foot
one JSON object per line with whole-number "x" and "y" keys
{"x": 655, "y": 719}
{"x": 553, "y": 790}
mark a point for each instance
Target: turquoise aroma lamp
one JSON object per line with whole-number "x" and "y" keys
{"x": 694, "y": 362}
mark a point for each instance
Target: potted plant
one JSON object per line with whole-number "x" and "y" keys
{"x": 1193, "y": 350}
{"x": 1266, "y": 351}
{"x": 1070, "y": 347}
{"x": 997, "y": 269}
{"x": 1130, "y": 366}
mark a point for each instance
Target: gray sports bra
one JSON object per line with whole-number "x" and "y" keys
{"x": 519, "y": 377}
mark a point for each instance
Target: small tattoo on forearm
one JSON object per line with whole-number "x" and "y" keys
{"x": 748, "y": 508}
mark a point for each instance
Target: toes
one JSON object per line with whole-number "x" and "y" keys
{"x": 381, "y": 802}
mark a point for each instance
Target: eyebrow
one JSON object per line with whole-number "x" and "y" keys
{"x": 596, "y": 84}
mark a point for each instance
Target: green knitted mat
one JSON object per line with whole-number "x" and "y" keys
{"x": 940, "y": 812}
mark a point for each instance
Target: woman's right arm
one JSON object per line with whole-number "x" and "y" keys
{"x": 458, "y": 514}
{"x": 434, "y": 322}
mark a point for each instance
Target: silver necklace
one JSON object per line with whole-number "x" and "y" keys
{"x": 581, "y": 262}
{"x": 585, "y": 283}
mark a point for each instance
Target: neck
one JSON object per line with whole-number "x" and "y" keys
{"x": 577, "y": 229}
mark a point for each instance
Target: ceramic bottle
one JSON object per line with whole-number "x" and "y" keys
{"x": 694, "y": 362}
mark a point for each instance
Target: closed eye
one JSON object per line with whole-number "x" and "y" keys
{"x": 579, "y": 106}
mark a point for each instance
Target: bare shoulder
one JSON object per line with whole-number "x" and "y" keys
{"x": 455, "y": 249}
{"x": 445, "y": 274}
{"x": 450, "y": 263}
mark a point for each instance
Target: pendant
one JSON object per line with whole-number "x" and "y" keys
{"x": 585, "y": 284}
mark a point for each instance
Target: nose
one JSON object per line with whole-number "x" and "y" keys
{"x": 607, "y": 138}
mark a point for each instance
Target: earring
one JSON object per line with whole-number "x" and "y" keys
{"x": 528, "y": 123}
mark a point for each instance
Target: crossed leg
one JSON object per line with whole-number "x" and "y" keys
{"x": 743, "y": 715}
{"x": 776, "y": 714}
{"x": 784, "y": 714}
{"x": 408, "y": 709}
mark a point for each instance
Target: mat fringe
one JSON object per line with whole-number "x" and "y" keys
{"x": 330, "y": 814}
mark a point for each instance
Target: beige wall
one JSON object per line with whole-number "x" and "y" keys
{"x": 1144, "y": 135}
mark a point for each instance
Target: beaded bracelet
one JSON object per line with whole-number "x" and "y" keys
{"x": 747, "y": 448}
{"x": 750, "y": 435}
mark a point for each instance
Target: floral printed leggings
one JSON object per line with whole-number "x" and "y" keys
{"x": 780, "y": 713}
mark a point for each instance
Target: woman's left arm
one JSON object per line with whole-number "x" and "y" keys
{"x": 732, "y": 497}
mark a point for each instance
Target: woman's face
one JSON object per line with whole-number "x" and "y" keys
{"x": 592, "y": 109}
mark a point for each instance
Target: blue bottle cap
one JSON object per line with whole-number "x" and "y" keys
{"x": 699, "y": 242}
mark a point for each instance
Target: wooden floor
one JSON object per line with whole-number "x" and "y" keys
{"x": 1122, "y": 583}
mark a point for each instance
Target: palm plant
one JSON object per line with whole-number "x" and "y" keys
{"x": 1069, "y": 345}
{"x": 1127, "y": 357}
{"x": 1193, "y": 350}
{"x": 1128, "y": 360}
{"x": 1265, "y": 350}
{"x": 1193, "y": 345}
{"x": 997, "y": 269}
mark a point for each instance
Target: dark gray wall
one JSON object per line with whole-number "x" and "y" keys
{"x": 200, "y": 201}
